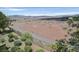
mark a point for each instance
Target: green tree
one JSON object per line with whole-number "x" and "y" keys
{"x": 4, "y": 22}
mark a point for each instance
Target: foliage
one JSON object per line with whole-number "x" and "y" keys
{"x": 70, "y": 21}
{"x": 28, "y": 42}
{"x": 17, "y": 43}
{"x": 13, "y": 35}
{"x": 11, "y": 40}
{"x": 26, "y": 36}
{"x": 28, "y": 49}
{"x": 16, "y": 49}
{"x": 71, "y": 44}
{"x": 76, "y": 18}
{"x": 59, "y": 46}
{"x": 40, "y": 50}
{"x": 3, "y": 48}
{"x": 75, "y": 34}
{"x": 2, "y": 40}
{"x": 4, "y": 22}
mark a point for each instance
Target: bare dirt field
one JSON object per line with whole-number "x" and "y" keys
{"x": 52, "y": 30}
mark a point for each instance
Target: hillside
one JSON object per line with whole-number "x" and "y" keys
{"x": 22, "y": 17}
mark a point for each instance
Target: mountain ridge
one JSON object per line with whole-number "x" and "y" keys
{"x": 43, "y": 17}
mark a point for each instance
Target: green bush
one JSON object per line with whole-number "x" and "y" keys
{"x": 10, "y": 35}
{"x": 28, "y": 49}
{"x": 13, "y": 35}
{"x": 17, "y": 43}
{"x": 16, "y": 49}
{"x": 59, "y": 46}
{"x": 28, "y": 42}
{"x": 11, "y": 40}
{"x": 2, "y": 40}
{"x": 39, "y": 50}
{"x": 13, "y": 49}
{"x": 4, "y": 22}
{"x": 26, "y": 36}
{"x": 4, "y": 48}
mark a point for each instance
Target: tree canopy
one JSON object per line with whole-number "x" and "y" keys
{"x": 4, "y": 21}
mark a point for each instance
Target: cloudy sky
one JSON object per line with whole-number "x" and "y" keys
{"x": 36, "y": 11}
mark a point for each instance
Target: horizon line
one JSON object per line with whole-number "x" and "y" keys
{"x": 55, "y": 14}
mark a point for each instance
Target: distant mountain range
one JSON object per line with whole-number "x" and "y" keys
{"x": 22, "y": 17}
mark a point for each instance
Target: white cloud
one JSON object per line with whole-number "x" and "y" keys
{"x": 15, "y": 9}
{"x": 11, "y": 9}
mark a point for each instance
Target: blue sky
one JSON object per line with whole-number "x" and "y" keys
{"x": 36, "y": 11}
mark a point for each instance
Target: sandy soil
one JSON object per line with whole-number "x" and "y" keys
{"x": 52, "y": 30}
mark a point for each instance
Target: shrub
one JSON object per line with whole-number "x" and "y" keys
{"x": 75, "y": 34}
{"x": 10, "y": 35}
{"x": 11, "y": 40}
{"x": 23, "y": 39}
{"x": 4, "y": 48}
{"x": 59, "y": 46}
{"x": 16, "y": 49}
{"x": 13, "y": 49}
{"x": 70, "y": 22}
{"x": 70, "y": 30}
{"x": 17, "y": 43}
{"x": 28, "y": 49}
{"x": 13, "y": 35}
{"x": 4, "y": 22}
{"x": 39, "y": 50}
{"x": 2, "y": 40}
{"x": 28, "y": 42}
{"x": 26, "y": 36}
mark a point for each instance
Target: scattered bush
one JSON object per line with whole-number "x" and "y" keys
{"x": 4, "y": 22}
{"x": 28, "y": 42}
{"x": 16, "y": 49}
{"x": 10, "y": 35}
{"x": 28, "y": 49}
{"x": 13, "y": 49}
{"x": 13, "y": 35}
{"x": 26, "y": 36}
{"x": 11, "y": 40}
{"x": 2, "y": 40}
{"x": 17, "y": 43}
{"x": 39, "y": 50}
{"x": 4, "y": 48}
{"x": 59, "y": 46}
{"x": 70, "y": 30}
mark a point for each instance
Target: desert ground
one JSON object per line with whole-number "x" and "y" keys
{"x": 42, "y": 30}
{"x": 52, "y": 30}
